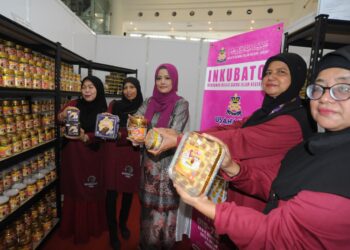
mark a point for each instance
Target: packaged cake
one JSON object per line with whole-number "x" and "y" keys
{"x": 153, "y": 140}
{"x": 137, "y": 127}
{"x": 196, "y": 163}
{"x": 107, "y": 126}
{"x": 72, "y": 129}
{"x": 72, "y": 115}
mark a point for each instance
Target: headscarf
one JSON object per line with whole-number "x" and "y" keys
{"x": 89, "y": 110}
{"x": 297, "y": 68}
{"x": 163, "y": 103}
{"x": 124, "y": 107}
{"x": 336, "y": 59}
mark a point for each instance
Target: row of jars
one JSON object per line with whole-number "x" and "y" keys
{"x": 21, "y": 106}
{"x": 26, "y": 168}
{"x": 15, "y": 143}
{"x": 70, "y": 82}
{"x": 20, "y": 192}
{"x": 27, "y": 231}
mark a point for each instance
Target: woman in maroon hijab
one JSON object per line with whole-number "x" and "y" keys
{"x": 159, "y": 200}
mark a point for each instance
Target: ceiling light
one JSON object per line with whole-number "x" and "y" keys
{"x": 209, "y": 40}
{"x": 131, "y": 23}
{"x": 209, "y": 22}
{"x": 169, "y": 23}
{"x": 180, "y": 38}
{"x": 194, "y": 39}
{"x": 210, "y": 28}
{"x": 135, "y": 35}
{"x": 158, "y": 36}
{"x": 135, "y": 28}
{"x": 252, "y": 21}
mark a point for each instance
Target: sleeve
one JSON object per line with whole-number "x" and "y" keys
{"x": 273, "y": 137}
{"x": 180, "y": 115}
{"x": 307, "y": 221}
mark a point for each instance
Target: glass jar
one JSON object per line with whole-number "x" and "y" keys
{"x": 22, "y": 190}
{"x": 10, "y": 48}
{"x": 46, "y": 174}
{"x": 48, "y": 134}
{"x": 13, "y": 195}
{"x": 17, "y": 145}
{"x": 25, "y": 106}
{"x": 34, "y": 165}
{"x": 19, "y": 79}
{"x": 37, "y": 231}
{"x": 40, "y": 181}
{"x": 44, "y": 106}
{"x": 31, "y": 186}
{"x": 9, "y": 240}
{"x": 27, "y": 218}
{"x": 25, "y": 240}
{"x": 36, "y": 121}
{"x": 13, "y": 62}
{"x": 28, "y": 121}
{"x": 7, "y": 179}
{"x": 10, "y": 125}
{"x": 41, "y": 135}
{"x": 8, "y": 77}
{"x": 7, "y": 108}
{"x": 34, "y": 137}
{"x": 23, "y": 65}
{"x": 26, "y": 140}
{"x": 5, "y": 147}
{"x": 137, "y": 127}
{"x": 26, "y": 169}
{"x": 28, "y": 53}
{"x": 2, "y": 126}
{"x": 16, "y": 174}
{"x": 19, "y": 51}
{"x": 40, "y": 161}
{"x": 20, "y": 126}
{"x": 46, "y": 120}
{"x": 28, "y": 80}
{"x": 19, "y": 226}
{"x": 4, "y": 60}
{"x": 4, "y": 206}
{"x": 46, "y": 222}
{"x": 17, "y": 107}
{"x": 42, "y": 209}
{"x": 32, "y": 67}
{"x": 36, "y": 106}
{"x": 37, "y": 81}
{"x": 45, "y": 82}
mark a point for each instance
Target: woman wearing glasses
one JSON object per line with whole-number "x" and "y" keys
{"x": 309, "y": 201}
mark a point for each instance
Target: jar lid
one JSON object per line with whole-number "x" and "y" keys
{"x": 19, "y": 186}
{"x": 11, "y": 192}
{"x": 3, "y": 199}
{"x": 38, "y": 176}
{"x": 29, "y": 181}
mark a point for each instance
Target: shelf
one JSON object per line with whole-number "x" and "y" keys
{"x": 47, "y": 235}
{"x": 26, "y": 205}
{"x": 14, "y": 159}
{"x": 10, "y": 92}
{"x": 110, "y": 68}
{"x": 70, "y": 93}
{"x": 113, "y": 96}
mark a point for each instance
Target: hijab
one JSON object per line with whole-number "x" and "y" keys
{"x": 124, "y": 107}
{"x": 89, "y": 110}
{"x": 289, "y": 99}
{"x": 163, "y": 103}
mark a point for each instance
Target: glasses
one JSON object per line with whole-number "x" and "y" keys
{"x": 339, "y": 92}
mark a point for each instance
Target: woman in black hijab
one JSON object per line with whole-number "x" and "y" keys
{"x": 81, "y": 171}
{"x": 122, "y": 165}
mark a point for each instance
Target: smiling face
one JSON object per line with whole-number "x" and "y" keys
{"x": 328, "y": 113}
{"x": 88, "y": 91}
{"x": 163, "y": 81}
{"x": 129, "y": 91}
{"x": 277, "y": 79}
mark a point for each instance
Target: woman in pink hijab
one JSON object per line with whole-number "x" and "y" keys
{"x": 159, "y": 200}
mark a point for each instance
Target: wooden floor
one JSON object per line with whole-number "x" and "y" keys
{"x": 55, "y": 242}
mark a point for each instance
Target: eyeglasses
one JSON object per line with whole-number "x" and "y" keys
{"x": 339, "y": 92}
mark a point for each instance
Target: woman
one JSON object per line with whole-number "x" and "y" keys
{"x": 309, "y": 203}
{"x": 81, "y": 173}
{"x": 122, "y": 162}
{"x": 159, "y": 201}
{"x": 262, "y": 140}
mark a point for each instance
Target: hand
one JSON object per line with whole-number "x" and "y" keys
{"x": 169, "y": 141}
{"x": 229, "y": 166}
{"x": 63, "y": 115}
{"x": 135, "y": 142}
{"x": 83, "y": 137}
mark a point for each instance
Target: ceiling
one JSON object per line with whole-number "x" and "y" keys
{"x": 205, "y": 19}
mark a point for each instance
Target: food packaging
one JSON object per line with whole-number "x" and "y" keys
{"x": 107, "y": 126}
{"x": 153, "y": 140}
{"x": 196, "y": 163}
{"x": 72, "y": 129}
{"x": 218, "y": 190}
{"x": 73, "y": 115}
{"x": 137, "y": 127}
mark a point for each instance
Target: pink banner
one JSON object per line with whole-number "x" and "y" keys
{"x": 233, "y": 77}
{"x": 232, "y": 92}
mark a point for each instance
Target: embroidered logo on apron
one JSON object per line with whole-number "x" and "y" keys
{"x": 128, "y": 171}
{"x": 91, "y": 181}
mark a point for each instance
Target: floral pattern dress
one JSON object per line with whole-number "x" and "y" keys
{"x": 159, "y": 200}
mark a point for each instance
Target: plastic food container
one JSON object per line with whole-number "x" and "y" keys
{"x": 153, "y": 140}
{"x": 107, "y": 126}
{"x": 196, "y": 163}
{"x": 137, "y": 127}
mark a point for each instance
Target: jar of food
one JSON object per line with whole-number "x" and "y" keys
{"x": 41, "y": 162}
{"x": 13, "y": 62}
{"x": 37, "y": 81}
{"x": 28, "y": 121}
{"x": 7, "y": 179}
{"x": 13, "y": 195}
{"x": 47, "y": 176}
{"x": 8, "y": 77}
{"x": 10, "y": 48}
{"x": 27, "y": 218}
{"x": 4, "y": 206}
{"x": 48, "y": 134}
{"x": 19, "y": 79}
{"x": 28, "y": 80}
{"x": 40, "y": 180}
{"x": 51, "y": 82}
{"x": 22, "y": 190}
{"x": 26, "y": 140}
{"x": 20, "y": 126}
{"x": 10, "y": 125}
{"x": 34, "y": 137}
{"x": 46, "y": 222}
{"x": 137, "y": 127}
{"x": 25, "y": 106}
{"x": 28, "y": 53}
{"x": 31, "y": 186}
{"x": 2, "y": 126}
{"x": 9, "y": 240}
{"x": 7, "y": 108}
{"x": 16, "y": 174}
{"x": 45, "y": 82}
{"x": 32, "y": 67}
{"x": 17, "y": 107}
{"x": 153, "y": 140}
{"x": 51, "y": 105}
{"x": 44, "y": 106}
{"x": 36, "y": 106}
{"x": 19, "y": 51}
{"x": 41, "y": 135}
{"x": 39, "y": 68}
{"x": 19, "y": 226}
{"x": 26, "y": 169}
{"x": 23, "y": 65}
{"x": 17, "y": 145}
{"x": 46, "y": 120}
{"x": 37, "y": 231}
{"x": 34, "y": 165}
{"x": 25, "y": 240}
{"x": 4, "y": 60}
{"x": 52, "y": 170}
{"x": 36, "y": 121}
{"x": 5, "y": 147}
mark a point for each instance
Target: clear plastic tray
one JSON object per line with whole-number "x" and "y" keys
{"x": 107, "y": 126}
{"x": 196, "y": 163}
